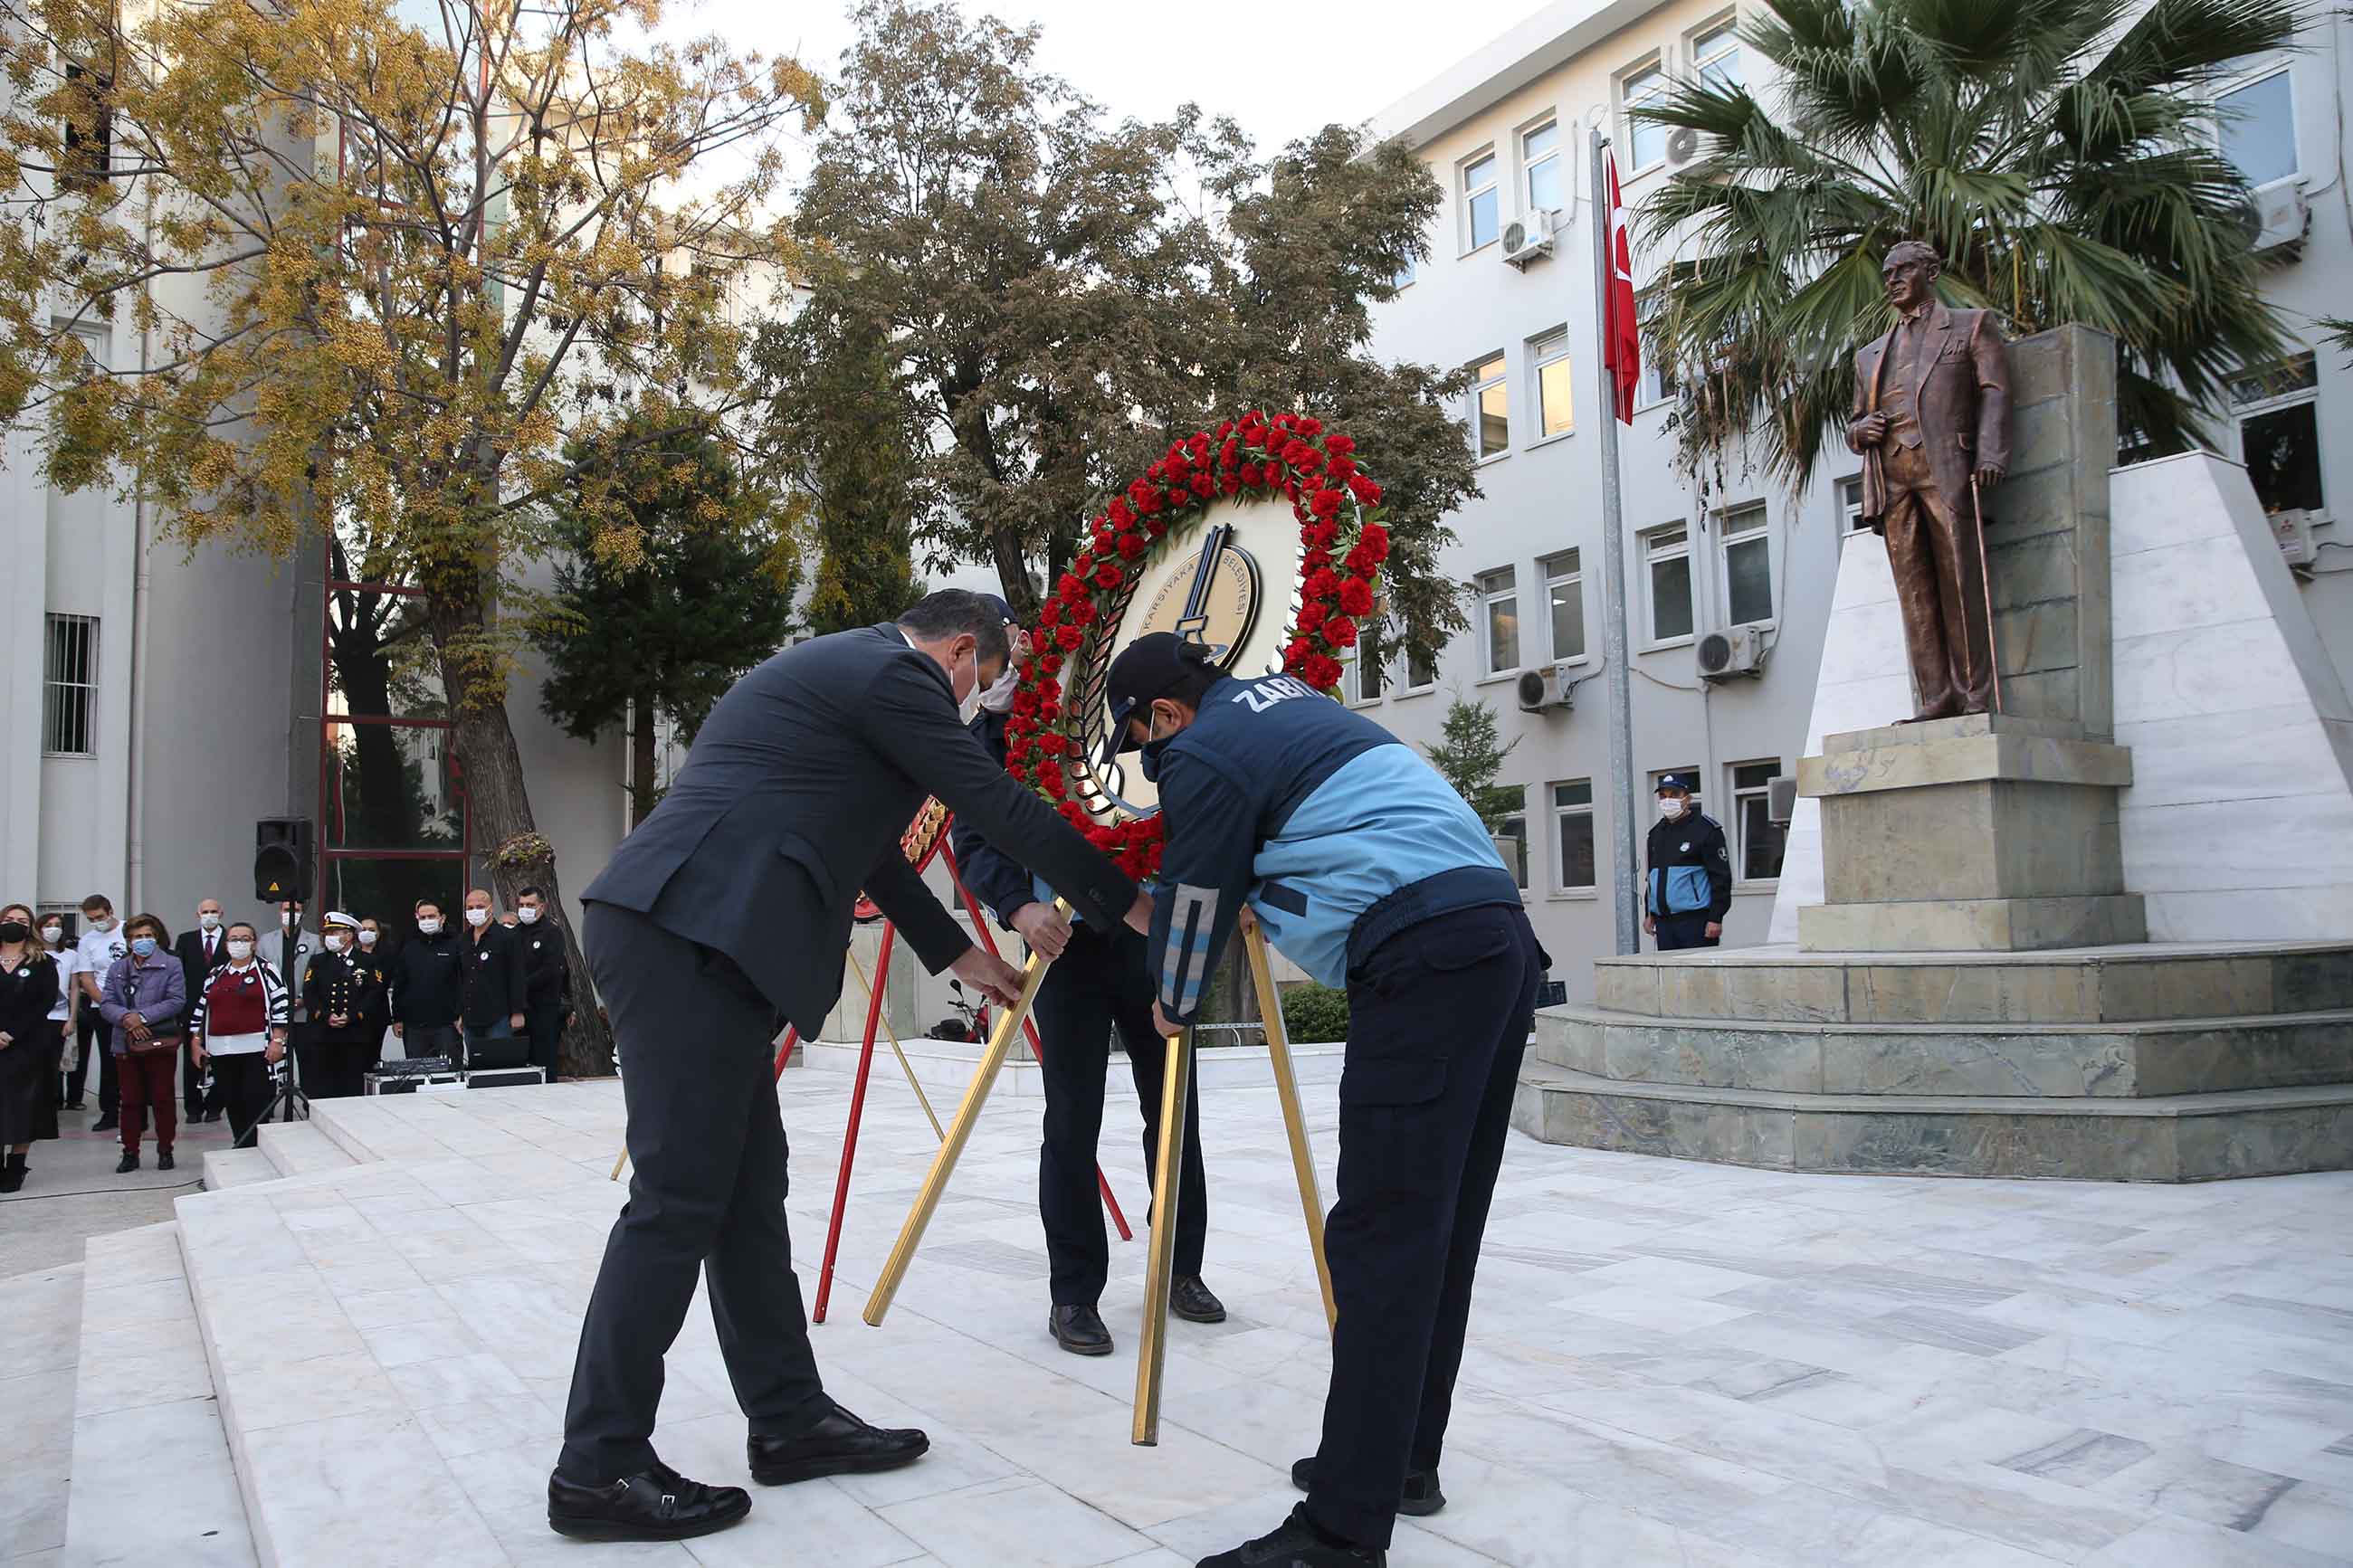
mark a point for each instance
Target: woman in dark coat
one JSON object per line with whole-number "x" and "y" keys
{"x": 29, "y": 1041}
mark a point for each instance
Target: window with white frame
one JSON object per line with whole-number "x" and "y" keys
{"x": 1365, "y": 673}
{"x": 1572, "y": 835}
{"x": 2279, "y": 434}
{"x": 1849, "y": 503}
{"x": 69, "y": 687}
{"x": 1756, "y": 837}
{"x": 1748, "y": 564}
{"x": 1565, "y": 594}
{"x": 1482, "y": 203}
{"x": 1499, "y": 617}
{"x": 1406, "y": 274}
{"x": 2256, "y": 126}
{"x": 1549, "y": 367}
{"x": 1643, "y": 88}
{"x": 1716, "y": 55}
{"x": 1514, "y": 830}
{"x": 1667, "y": 554}
{"x": 1421, "y": 671}
{"x": 1658, "y": 376}
{"x": 1490, "y": 408}
{"x": 1540, "y": 166}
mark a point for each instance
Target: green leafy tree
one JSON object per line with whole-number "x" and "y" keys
{"x": 672, "y": 586}
{"x": 2065, "y": 177}
{"x": 1468, "y": 755}
{"x": 1061, "y": 293}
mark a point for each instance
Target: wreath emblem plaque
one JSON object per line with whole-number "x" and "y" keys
{"x": 1228, "y": 525}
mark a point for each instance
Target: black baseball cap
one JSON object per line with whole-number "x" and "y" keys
{"x": 1147, "y": 668}
{"x": 1673, "y": 781}
{"x": 1004, "y": 611}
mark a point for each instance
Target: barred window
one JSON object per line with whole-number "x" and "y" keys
{"x": 70, "y": 688}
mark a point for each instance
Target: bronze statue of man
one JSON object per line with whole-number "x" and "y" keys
{"x": 1932, "y": 421}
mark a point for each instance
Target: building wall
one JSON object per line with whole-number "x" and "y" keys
{"x": 1542, "y": 495}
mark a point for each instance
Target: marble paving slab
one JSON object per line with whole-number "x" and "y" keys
{"x": 1669, "y": 1364}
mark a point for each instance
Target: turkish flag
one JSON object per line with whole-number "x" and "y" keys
{"x": 1621, "y": 334}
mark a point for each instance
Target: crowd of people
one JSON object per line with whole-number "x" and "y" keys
{"x": 202, "y": 1026}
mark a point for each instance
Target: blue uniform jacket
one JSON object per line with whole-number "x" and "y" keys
{"x": 1337, "y": 833}
{"x": 1690, "y": 868}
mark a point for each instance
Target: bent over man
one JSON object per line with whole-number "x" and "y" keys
{"x": 1366, "y": 869}
{"x": 721, "y": 918}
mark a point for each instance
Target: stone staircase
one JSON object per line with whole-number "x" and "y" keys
{"x": 2141, "y": 1063}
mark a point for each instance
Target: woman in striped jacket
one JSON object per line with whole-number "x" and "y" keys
{"x": 239, "y": 1024}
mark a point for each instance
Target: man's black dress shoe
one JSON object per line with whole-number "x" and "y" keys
{"x": 1080, "y": 1331}
{"x": 1296, "y": 1543}
{"x": 840, "y": 1444}
{"x": 1191, "y": 1300}
{"x": 658, "y": 1505}
{"x": 1418, "y": 1499}
{"x": 107, "y": 1123}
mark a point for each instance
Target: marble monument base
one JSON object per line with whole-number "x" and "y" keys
{"x": 1985, "y": 833}
{"x": 2144, "y": 1062}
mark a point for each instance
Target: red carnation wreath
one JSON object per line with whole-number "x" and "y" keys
{"x": 1342, "y": 548}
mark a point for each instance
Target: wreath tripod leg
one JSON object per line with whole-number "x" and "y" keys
{"x": 1160, "y": 1246}
{"x": 1294, "y": 1122}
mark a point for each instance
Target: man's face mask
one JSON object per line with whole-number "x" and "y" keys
{"x": 999, "y": 698}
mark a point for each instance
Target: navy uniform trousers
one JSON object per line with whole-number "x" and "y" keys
{"x": 706, "y": 1196}
{"x": 1098, "y": 981}
{"x": 1439, "y": 1017}
{"x": 1677, "y": 931}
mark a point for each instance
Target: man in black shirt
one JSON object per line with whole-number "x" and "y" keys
{"x": 428, "y": 981}
{"x": 492, "y": 1012}
{"x": 547, "y": 980}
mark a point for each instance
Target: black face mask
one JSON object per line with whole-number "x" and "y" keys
{"x": 14, "y": 931}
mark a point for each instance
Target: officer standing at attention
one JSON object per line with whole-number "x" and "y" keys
{"x": 1365, "y": 868}
{"x": 1097, "y": 980}
{"x": 1688, "y": 891}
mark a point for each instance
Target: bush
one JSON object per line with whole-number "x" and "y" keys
{"x": 1314, "y": 1014}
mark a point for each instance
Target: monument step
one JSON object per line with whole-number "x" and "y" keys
{"x": 2130, "y": 983}
{"x": 2134, "y": 1060}
{"x": 152, "y": 1478}
{"x": 42, "y": 1308}
{"x": 300, "y": 1149}
{"x": 226, "y": 1168}
{"x": 948, "y": 1066}
{"x": 2177, "y": 1138}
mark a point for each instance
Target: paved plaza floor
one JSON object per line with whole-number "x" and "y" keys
{"x": 1669, "y": 1364}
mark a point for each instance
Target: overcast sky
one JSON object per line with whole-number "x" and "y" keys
{"x": 1281, "y": 70}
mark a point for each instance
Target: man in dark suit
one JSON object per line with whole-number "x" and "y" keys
{"x": 720, "y": 918}
{"x": 200, "y": 951}
{"x": 1932, "y": 422}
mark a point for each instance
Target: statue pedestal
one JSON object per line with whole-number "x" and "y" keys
{"x": 1985, "y": 834}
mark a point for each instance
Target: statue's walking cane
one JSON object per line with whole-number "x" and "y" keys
{"x": 1985, "y": 580}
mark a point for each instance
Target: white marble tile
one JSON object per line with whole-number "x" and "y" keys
{"x": 1013, "y": 1522}
{"x": 155, "y": 1483}
{"x": 364, "y": 1490}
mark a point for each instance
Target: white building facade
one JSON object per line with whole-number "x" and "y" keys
{"x": 1506, "y": 134}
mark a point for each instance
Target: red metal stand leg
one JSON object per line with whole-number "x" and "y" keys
{"x": 1037, "y": 1046}
{"x": 784, "y": 1052}
{"x": 850, "y": 1135}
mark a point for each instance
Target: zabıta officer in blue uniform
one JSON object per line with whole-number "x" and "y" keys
{"x": 1689, "y": 890}
{"x": 1366, "y": 869}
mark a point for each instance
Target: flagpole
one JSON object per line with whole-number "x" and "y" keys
{"x": 1619, "y": 682}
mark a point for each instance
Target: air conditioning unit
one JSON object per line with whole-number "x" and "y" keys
{"x": 2292, "y": 526}
{"x": 2279, "y": 220}
{"x": 1682, "y": 146}
{"x": 1730, "y": 655}
{"x": 1542, "y": 690}
{"x": 1528, "y": 239}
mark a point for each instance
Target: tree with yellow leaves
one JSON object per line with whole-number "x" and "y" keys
{"x": 390, "y": 270}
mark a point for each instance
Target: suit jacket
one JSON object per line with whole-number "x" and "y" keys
{"x": 189, "y": 947}
{"x": 1960, "y": 395}
{"x": 793, "y": 798}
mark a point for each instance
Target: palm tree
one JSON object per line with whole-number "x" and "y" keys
{"x": 2065, "y": 177}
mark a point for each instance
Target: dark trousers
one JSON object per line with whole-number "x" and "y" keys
{"x": 545, "y": 1020}
{"x": 707, "y": 1188}
{"x": 1684, "y": 930}
{"x": 418, "y": 1041}
{"x": 146, "y": 1083}
{"x": 243, "y": 1083}
{"x": 1437, "y": 1020}
{"x": 1097, "y": 982}
{"x": 96, "y": 1039}
{"x": 335, "y": 1070}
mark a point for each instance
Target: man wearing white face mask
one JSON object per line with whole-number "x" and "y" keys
{"x": 1688, "y": 891}
{"x": 428, "y": 981}
{"x": 721, "y": 918}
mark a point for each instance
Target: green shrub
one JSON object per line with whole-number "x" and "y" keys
{"x": 1314, "y": 1014}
